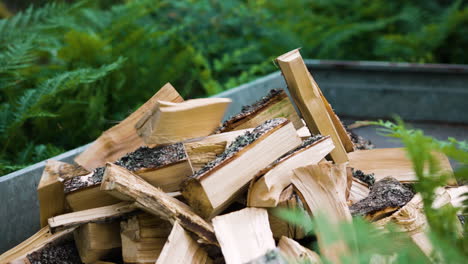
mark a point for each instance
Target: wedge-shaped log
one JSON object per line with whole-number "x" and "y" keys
{"x": 275, "y": 104}
{"x": 201, "y": 154}
{"x": 33, "y": 244}
{"x": 308, "y": 99}
{"x": 122, "y": 138}
{"x": 94, "y": 215}
{"x": 244, "y": 235}
{"x": 175, "y": 122}
{"x": 180, "y": 248}
{"x": 50, "y": 189}
{"x": 95, "y": 241}
{"x": 386, "y": 196}
{"x": 392, "y": 162}
{"x": 288, "y": 200}
{"x": 143, "y": 237}
{"x": 295, "y": 253}
{"x": 215, "y": 186}
{"x": 125, "y": 185}
{"x": 266, "y": 188}
{"x": 321, "y": 194}
{"x": 359, "y": 190}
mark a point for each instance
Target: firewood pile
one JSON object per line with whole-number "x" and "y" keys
{"x": 169, "y": 184}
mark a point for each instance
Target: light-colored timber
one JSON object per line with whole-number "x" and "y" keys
{"x": 97, "y": 240}
{"x": 295, "y": 253}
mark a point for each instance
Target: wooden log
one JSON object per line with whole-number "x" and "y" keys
{"x": 122, "y": 138}
{"x": 96, "y": 240}
{"x": 175, "y": 122}
{"x": 265, "y": 189}
{"x": 359, "y": 191}
{"x": 95, "y": 215}
{"x": 275, "y": 104}
{"x": 295, "y": 253}
{"x": 308, "y": 99}
{"x": 386, "y": 196}
{"x": 211, "y": 189}
{"x": 320, "y": 192}
{"x": 180, "y": 248}
{"x": 279, "y": 227}
{"x": 271, "y": 257}
{"x": 125, "y": 185}
{"x": 50, "y": 189}
{"x": 143, "y": 237}
{"x": 33, "y": 244}
{"x": 392, "y": 162}
{"x": 244, "y": 235}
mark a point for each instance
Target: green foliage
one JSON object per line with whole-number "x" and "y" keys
{"x": 365, "y": 241}
{"x": 202, "y": 47}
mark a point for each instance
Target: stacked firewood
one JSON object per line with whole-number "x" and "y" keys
{"x": 170, "y": 185}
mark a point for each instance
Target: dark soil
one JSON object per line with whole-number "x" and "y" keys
{"x": 156, "y": 157}
{"x": 62, "y": 253}
{"x": 143, "y": 157}
{"x": 386, "y": 193}
{"x": 369, "y": 179}
{"x": 240, "y": 142}
{"x": 273, "y": 95}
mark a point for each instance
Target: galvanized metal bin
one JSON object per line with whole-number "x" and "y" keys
{"x": 360, "y": 90}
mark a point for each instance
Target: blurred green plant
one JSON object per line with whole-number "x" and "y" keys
{"x": 366, "y": 242}
{"x": 131, "y": 48}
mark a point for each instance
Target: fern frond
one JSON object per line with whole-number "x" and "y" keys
{"x": 17, "y": 56}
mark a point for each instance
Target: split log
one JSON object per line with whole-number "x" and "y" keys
{"x": 211, "y": 189}
{"x": 322, "y": 196}
{"x": 201, "y": 154}
{"x": 457, "y": 196}
{"x": 180, "y": 248}
{"x": 385, "y": 197}
{"x": 95, "y": 215}
{"x": 122, "y": 138}
{"x": 33, "y": 244}
{"x": 97, "y": 240}
{"x": 143, "y": 237}
{"x": 279, "y": 227}
{"x": 271, "y": 257}
{"x": 244, "y": 235}
{"x": 174, "y": 122}
{"x": 308, "y": 99}
{"x": 392, "y": 162}
{"x": 275, "y": 104}
{"x": 295, "y": 253}
{"x": 304, "y": 133}
{"x": 268, "y": 184}
{"x": 50, "y": 189}
{"x": 125, "y": 185}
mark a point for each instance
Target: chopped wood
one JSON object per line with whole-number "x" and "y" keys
{"x": 304, "y": 133}
{"x": 201, "y": 153}
{"x": 386, "y": 196}
{"x": 143, "y": 237}
{"x": 175, "y": 122}
{"x": 50, "y": 189}
{"x": 275, "y": 104}
{"x": 322, "y": 196}
{"x": 271, "y": 257}
{"x": 368, "y": 179}
{"x": 125, "y": 185}
{"x": 321, "y": 192}
{"x": 296, "y": 253}
{"x": 96, "y": 240}
{"x": 89, "y": 198}
{"x": 211, "y": 189}
{"x": 359, "y": 142}
{"x": 359, "y": 190}
{"x": 288, "y": 200}
{"x": 340, "y": 128}
{"x": 180, "y": 248}
{"x": 268, "y": 184}
{"x": 308, "y": 99}
{"x": 457, "y": 196}
{"x": 392, "y": 162}
{"x": 95, "y": 215}
{"x": 33, "y": 244}
{"x": 122, "y": 138}
{"x": 244, "y": 235}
